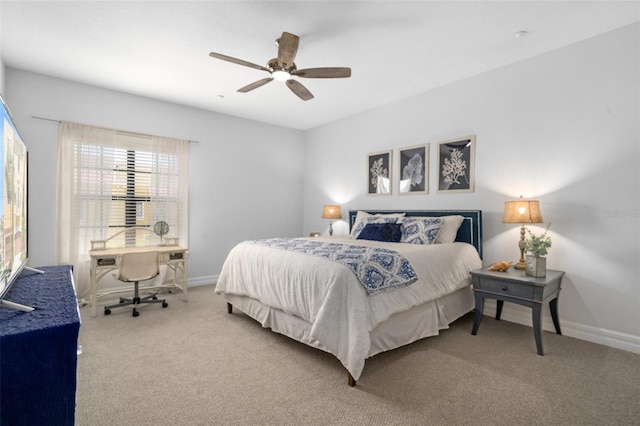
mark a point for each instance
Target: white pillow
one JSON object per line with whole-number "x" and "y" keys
{"x": 449, "y": 229}
{"x": 364, "y": 218}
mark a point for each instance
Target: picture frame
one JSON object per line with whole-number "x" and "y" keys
{"x": 379, "y": 173}
{"x": 456, "y": 165}
{"x": 413, "y": 164}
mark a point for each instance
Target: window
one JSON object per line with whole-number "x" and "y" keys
{"x": 136, "y": 184}
{"x": 111, "y": 180}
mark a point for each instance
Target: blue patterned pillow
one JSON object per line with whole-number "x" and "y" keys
{"x": 371, "y": 219}
{"x": 420, "y": 230}
{"x": 387, "y": 232}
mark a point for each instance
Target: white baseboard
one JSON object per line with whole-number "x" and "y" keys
{"x": 205, "y": 280}
{"x": 522, "y": 315}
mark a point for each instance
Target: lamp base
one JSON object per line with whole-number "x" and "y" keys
{"x": 520, "y": 265}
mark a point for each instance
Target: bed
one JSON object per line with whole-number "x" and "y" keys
{"x": 301, "y": 288}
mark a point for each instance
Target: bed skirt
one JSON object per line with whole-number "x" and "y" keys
{"x": 400, "y": 329}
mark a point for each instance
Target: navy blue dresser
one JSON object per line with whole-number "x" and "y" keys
{"x": 38, "y": 350}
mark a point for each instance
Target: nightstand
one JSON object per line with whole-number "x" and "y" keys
{"x": 517, "y": 287}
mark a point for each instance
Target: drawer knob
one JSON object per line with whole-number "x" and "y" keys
{"x": 504, "y": 288}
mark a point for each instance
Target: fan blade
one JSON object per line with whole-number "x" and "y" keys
{"x": 255, "y": 85}
{"x": 287, "y": 49}
{"x": 238, "y": 61}
{"x": 299, "y": 90}
{"x": 323, "y": 73}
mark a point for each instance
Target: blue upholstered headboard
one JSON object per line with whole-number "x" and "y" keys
{"x": 469, "y": 232}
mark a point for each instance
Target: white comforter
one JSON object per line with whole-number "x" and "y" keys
{"x": 329, "y": 296}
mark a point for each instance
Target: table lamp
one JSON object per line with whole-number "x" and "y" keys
{"x": 522, "y": 211}
{"x": 331, "y": 212}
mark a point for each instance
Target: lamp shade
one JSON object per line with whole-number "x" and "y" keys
{"x": 331, "y": 212}
{"x": 522, "y": 211}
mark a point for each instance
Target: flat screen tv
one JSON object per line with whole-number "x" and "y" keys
{"x": 13, "y": 206}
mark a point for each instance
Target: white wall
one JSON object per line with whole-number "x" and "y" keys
{"x": 2, "y": 72}
{"x": 562, "y": 127}
{"x": 245, "y": 177}
{"x": 2, "y": 67}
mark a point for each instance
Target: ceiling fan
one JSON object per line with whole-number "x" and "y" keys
{"x": 283, "y": 68}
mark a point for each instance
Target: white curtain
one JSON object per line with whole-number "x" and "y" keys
{"x": 88, "y": 162}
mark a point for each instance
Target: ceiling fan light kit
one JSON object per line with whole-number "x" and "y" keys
{"x": 281, "y": 75}
{"x": 283, "y": 68}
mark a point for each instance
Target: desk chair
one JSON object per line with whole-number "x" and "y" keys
{"x": 136, "y": 267}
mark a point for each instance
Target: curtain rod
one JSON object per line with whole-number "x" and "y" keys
{"x": 123, "y": 131}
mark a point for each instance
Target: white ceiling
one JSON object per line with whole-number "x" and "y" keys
{"x": 396, "y": 49}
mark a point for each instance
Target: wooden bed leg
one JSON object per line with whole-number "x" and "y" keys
{"x": 350, "y": 380}
{"x": 229, "y": 308}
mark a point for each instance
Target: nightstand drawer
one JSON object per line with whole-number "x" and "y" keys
{"x": 505, "y": 288}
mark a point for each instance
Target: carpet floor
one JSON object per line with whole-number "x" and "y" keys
{"x": 194, "y": 364}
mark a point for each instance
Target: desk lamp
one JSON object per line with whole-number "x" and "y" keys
{"x": 331, "y": 212}
{"x": 522, "y": 211}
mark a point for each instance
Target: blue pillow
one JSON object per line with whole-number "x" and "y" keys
{"x": 420, "y": 230}
{"x": 371, "y": 219}
{"x": 387, "y": 232}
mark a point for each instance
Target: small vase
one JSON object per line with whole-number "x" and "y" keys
{"x": 536, "y": 266}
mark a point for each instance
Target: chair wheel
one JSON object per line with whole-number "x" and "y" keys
{"x": 165, "y": 304}
{"x": 135, "y": 313}
{"x": 154, "y": 297}
{"x": 107, "y": 311}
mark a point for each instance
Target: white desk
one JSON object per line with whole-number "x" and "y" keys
{"x": 104, "y": 261}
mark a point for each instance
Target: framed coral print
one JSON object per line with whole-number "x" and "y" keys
{"x": 456, "y": 164}
{"x": 414, "y": 170}
{"x": 379, "y": 173}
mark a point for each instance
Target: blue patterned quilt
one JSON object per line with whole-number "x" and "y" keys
{"x": 378, "y": 269}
